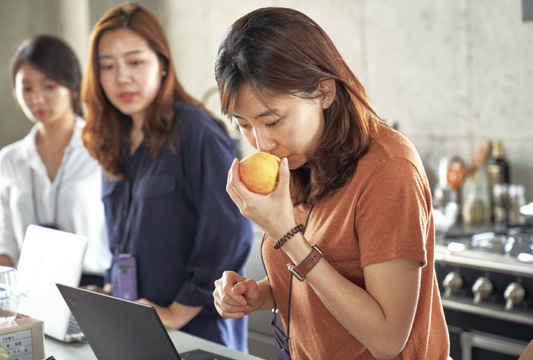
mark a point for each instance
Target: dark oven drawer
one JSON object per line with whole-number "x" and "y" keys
{"x": 477, "y": 336}
{"x": 480, "y": 346}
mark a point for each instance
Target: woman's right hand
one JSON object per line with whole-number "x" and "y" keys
{"x": 273, "y": 213}
{"x": 107, "y": 289}
{"x": 236, "y": 296}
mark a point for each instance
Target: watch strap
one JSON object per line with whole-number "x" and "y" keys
{"x": 301, "y": 270}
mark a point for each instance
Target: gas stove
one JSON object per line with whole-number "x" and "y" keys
{"x": 486, "y": 282}
{"x": 508, "y": 252}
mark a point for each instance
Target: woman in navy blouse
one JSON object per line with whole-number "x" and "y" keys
{"x": 172, "y": 227}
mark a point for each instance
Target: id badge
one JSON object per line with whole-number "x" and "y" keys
{"x": 126, "y": 275}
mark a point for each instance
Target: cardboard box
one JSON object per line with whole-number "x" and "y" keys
{"x": 23, "y": 338}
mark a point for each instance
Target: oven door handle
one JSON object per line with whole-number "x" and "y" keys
{"x": 470, "y": 340}
{"x": 488, "y": 310}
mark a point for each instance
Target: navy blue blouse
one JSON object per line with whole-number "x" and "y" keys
{"x": 173, "y": 214}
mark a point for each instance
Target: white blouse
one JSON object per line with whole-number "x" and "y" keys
{"x": 72, "y": 201}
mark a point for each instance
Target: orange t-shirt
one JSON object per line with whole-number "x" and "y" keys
{"x": 384, "y": 212}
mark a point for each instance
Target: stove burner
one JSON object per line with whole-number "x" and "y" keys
{"x": 516, "y": 244}
{"x": 489, "y": 241}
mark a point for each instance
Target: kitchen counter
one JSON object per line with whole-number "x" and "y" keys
{"x": 182, "y": 341}
{"x": 458, "y": 255}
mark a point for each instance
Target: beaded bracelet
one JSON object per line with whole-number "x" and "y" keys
{"x": 283, "y": 240}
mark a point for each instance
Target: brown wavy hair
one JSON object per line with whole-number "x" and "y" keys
{"x": 282, "y": 51}
{"x": 107, "y": 128}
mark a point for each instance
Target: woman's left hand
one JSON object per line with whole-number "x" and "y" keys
{"x": 176, "y": 315}
{"x": 107, "y": 289}
{"x": 274, "y": 212}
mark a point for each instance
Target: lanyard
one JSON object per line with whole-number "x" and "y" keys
{"x": 275, "y": 310}
{"x": 132, "y": 168}
{"x": 123, "y": 238}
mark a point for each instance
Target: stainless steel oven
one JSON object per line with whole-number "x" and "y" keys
{"x": 483, "y": 346}
{"x": 486, "y": 283}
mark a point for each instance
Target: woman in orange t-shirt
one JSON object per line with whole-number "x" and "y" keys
{"x": 351, "y": 213}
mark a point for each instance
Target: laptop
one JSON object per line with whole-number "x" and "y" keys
{"x": 124, "y": 330}
{"x": 47, "y": 257}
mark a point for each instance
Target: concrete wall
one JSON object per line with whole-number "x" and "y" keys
{"x": 450, "y": 73}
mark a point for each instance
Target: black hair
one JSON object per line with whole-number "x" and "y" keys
{"x": 54, "y": 58}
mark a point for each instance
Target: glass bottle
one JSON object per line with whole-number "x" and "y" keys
{"x": 498, "y": 177}
{"x": 476, "y": 206}
{"x": 498, "y": 170}
{"x": 516, "y": 201}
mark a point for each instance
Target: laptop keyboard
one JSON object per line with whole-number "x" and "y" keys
{"x": 202, "y": 355}
{"x": 74, "y": 332}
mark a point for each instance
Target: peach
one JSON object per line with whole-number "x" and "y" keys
{"x": 259, "y": 171}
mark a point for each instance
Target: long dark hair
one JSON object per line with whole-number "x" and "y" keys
{"x": 107, "y": 128}
{"x": 55, "y": 59}
{"x": 282, "y": 51}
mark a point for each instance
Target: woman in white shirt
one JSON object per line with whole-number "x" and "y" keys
{"x": 48, "y": 178}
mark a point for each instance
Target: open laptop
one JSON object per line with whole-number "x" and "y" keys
{"x": 124, "y": 330}
{"x": 47, "y": 257}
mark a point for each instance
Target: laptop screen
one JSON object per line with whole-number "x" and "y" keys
{"x": 119, "y": 329}
{"x": 48, "y": 257}
{"x": 124, "y": 330}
